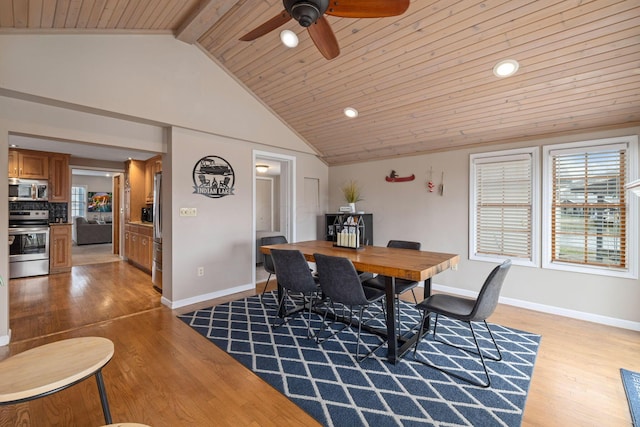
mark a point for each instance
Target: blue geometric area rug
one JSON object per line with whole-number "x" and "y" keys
{"x": 324, "y": 379}
{"x": 631, "y": 383}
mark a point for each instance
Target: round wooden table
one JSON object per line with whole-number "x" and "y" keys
{"x": 52, "y": 367}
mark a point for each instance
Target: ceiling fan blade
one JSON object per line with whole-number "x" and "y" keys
{"x": 324, "y": 38}
{"x": 367, "y": 8}
{"x": 267, "y": 27}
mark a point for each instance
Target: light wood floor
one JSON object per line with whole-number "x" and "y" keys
{"x": 165, "y": 374}
{"x": 93, "y": 254}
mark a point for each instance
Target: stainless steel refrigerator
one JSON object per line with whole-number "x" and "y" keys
{"x": 156, "y": 270}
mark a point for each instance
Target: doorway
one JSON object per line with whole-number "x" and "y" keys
{"x": 95, "y": 227}
{"x": 273, "y": 201}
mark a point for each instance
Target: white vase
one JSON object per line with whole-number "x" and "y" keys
{"x": 353, "y": 207}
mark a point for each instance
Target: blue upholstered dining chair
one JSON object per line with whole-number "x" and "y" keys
{"x": 466, "y": 310}
{"x": 402, "y": 285}
{"x": 268, "y": 261}
{"x": 296, "y": 282}
{"x": 340, "y": 284}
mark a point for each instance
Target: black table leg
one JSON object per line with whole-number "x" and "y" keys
{"x": 392, "y": 343}
{"x": 427, "y": 287}
{"x": 103, "y": 397}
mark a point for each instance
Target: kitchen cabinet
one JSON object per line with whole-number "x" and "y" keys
{"x": 134, "y": 181}
{"x": 59, "y": 248}
{"x": 138, "y": 186}
{"x": 13, "y": 164}
{"x": 152, "y": 167}
{"x": 138, "y": 245}
{"x": 135, "y": 198}
{"x": 28, "y": 164}
{"x": 59, "y": 188}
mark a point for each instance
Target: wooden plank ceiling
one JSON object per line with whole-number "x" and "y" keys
{"x": 422, "y": 82}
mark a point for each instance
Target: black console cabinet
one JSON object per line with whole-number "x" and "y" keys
{"x": 329, "y": 231}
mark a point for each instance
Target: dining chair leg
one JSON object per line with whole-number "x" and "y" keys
{"x": 264, "y": 289}
{"x": 360, "y": 322}
{"x": 103, "y": 397}
{"x": 309, "y": 333}
{"x": 479, "y": 353}
{"x": 325, "y": 326}
{"x": 282, "y": 303}
{"x": 414, "y": 296}
{"x": 279, "y": 308}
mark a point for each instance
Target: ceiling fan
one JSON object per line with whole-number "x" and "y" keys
{"x": 310, "y": 14}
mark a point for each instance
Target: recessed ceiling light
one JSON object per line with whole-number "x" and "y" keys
{"x": 289, "y": 38}
{"x": 351, "y": 112}
{"x": 13, "y": 145}
{"x": 506, "y": 68}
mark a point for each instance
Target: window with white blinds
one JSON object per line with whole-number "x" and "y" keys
{"x": 78, "y": 201}
{"x": 588, "y": 206}
{"x": 588, "y": 214}
{"x": 504, "y": 200}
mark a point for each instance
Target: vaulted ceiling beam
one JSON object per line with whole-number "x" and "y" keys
{"x": 202, "y": 18}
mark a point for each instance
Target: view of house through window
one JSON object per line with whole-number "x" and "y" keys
{"x": 588, "y": 206}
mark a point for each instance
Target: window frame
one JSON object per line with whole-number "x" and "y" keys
{"x": 631, "y": 225}
{"x": 82, "y": 203}
{"x": 502, "y": 155}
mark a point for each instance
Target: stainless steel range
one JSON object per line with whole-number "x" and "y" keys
{"x": 28, "y": 243}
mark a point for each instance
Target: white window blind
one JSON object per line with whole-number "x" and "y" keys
{"x": 78, "y": 201}
{"x": 503, "y": 200}
{"x": 588, "y": 206}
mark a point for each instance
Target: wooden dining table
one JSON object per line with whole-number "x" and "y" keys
{"x": 392, "y": 263}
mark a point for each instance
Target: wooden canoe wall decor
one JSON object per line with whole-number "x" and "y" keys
{"x": 393, "y": 177}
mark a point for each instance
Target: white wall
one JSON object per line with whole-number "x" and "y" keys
{"x": 408, "y": 211}
{"x": 125, "y": 91}
{"x": 221, "y": 237}
{"x": 148, "y": 77}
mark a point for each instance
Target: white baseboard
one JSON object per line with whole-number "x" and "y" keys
{"x": 574, "y": 314}
{"x": 205, "y": 297}
{"x": 5, "y": 339}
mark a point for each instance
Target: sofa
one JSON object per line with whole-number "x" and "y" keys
{"x": 92, "y": 232}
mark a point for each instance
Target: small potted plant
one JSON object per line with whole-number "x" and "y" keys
{"x": 351, "y": 192}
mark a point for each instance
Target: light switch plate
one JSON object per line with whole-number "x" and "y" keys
{"x": 188, "y": 211}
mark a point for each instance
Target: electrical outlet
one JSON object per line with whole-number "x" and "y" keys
{"x": 200, "y": 271}
{"x": 454, "y": 267}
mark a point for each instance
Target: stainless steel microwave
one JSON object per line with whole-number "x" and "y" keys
{"x": 28, "y": 189}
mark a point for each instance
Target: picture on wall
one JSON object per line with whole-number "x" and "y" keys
{"x": 99, "y": 202}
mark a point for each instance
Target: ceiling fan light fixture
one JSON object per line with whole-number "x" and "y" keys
{"x": 506, "y": 68}
{"x": 306, "y": 12}
{"x": 289, "y": 38}
{"x": 262, "y": 168}
{"x": 351, "y": 112}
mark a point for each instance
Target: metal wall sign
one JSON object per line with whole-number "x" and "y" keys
{"x": 213, "y": 177}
